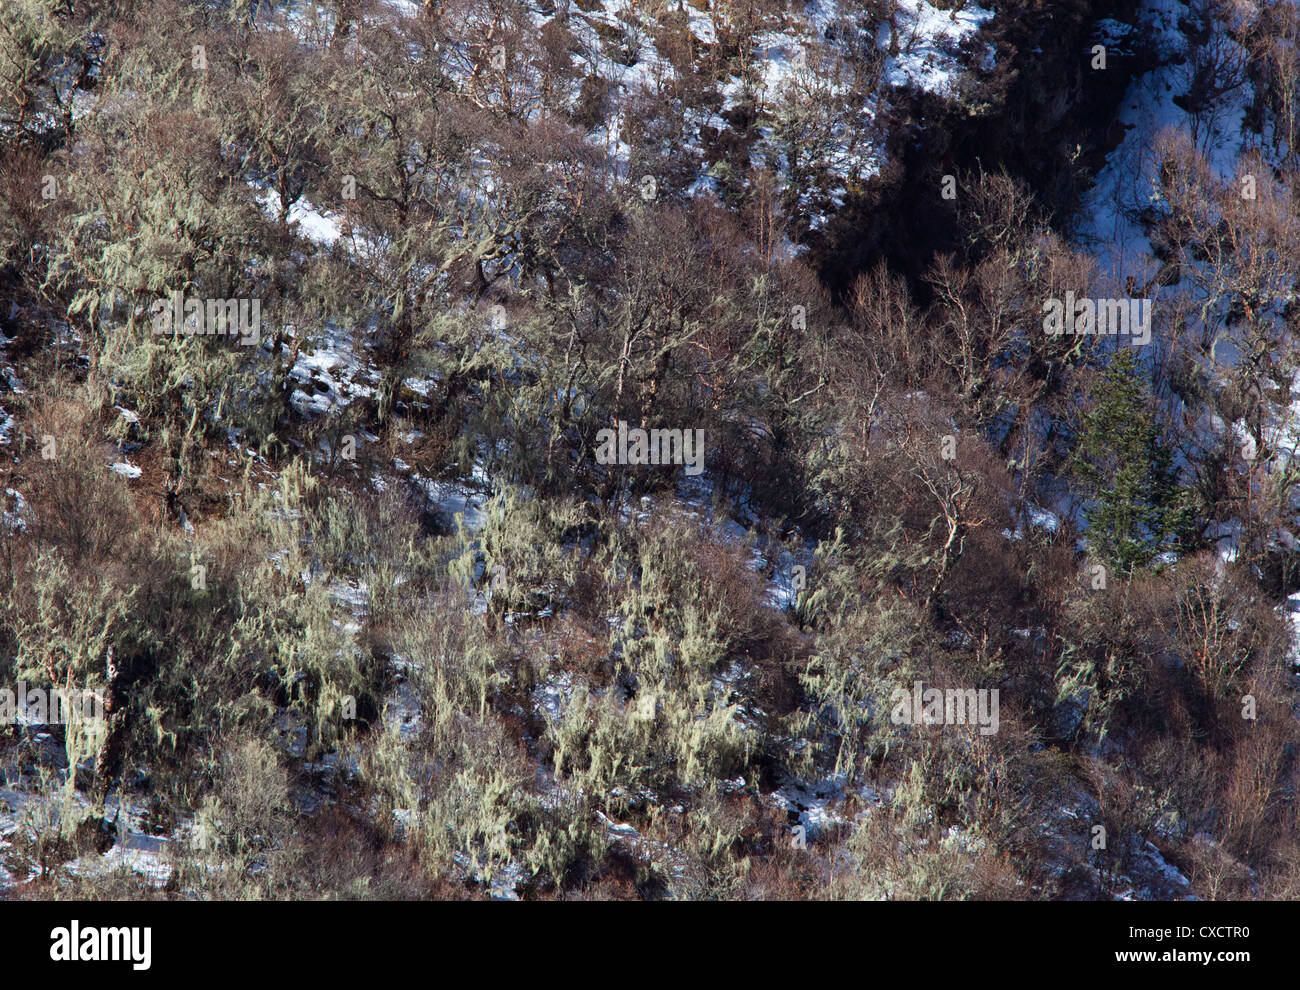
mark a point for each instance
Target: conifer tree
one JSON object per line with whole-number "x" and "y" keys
{"x": 1136, "y": 507}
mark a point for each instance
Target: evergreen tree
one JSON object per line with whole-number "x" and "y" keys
{"x": 1136, "y": 508}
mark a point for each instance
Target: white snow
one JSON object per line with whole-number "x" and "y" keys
{"x": 314, "y": 224}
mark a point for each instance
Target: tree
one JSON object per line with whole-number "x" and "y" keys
{"x": 1137, "y": 508}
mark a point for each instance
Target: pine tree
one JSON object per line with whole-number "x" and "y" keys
{"x": 1136, "y": 506}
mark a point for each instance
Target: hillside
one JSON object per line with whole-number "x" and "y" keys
{"x": 649, "y": 449}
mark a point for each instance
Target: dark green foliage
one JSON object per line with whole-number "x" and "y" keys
{"x": 1137, "y": 509}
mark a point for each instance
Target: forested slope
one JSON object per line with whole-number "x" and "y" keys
{"x": 563, "y": 449}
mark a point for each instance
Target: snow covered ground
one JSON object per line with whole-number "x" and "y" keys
{"x": 1109, "y": 223}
